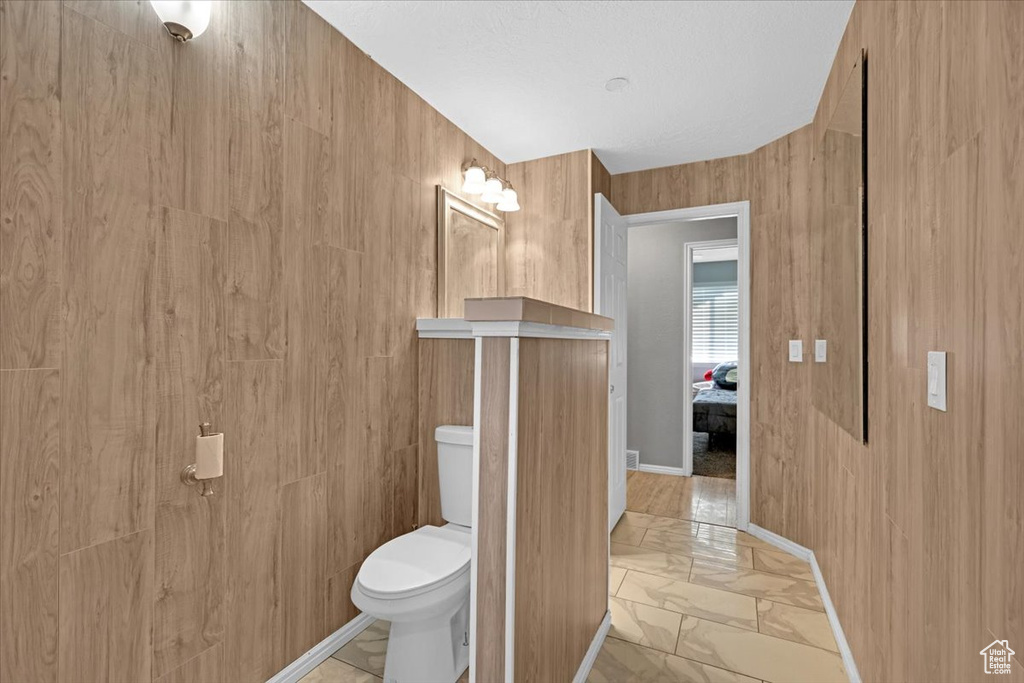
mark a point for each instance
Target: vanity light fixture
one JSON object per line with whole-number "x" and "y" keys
{"x": 494, "y": 189}
{"x": 184, "y": 19}
{"x": 481, "y": 180}
{"x": 509, "y": 199}
{"x": 475, "y": 177}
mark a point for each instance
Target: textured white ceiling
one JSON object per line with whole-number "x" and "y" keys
{"x": 526, "y": 79}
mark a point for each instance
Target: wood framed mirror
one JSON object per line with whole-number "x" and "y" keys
{"x": 470, "y": 253}
{"x": 839, "y": 244}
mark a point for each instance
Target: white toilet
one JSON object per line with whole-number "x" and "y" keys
{"x": 420, "y": 581}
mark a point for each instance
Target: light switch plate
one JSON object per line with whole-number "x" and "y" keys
{"x": 796, "y": 351}
{"x": 820, "y": 350}
{"x": 937, "y": 380}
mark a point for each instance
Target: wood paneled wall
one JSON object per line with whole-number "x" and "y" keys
{"x": 445, "y": 398}
{"x": 548, "y": 252}
{"x": 492, "y": 517}
{"x": 240, "y": 229}
{"x": 920, "y": 533}
{"x": 561, "y": 505}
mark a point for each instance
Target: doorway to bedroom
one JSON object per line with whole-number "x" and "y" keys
{"x": 682, "y": 323}
{"x": 712, "y": 301}
{"x": 643, "y": 278}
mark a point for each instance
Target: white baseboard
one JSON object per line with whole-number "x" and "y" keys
{"x": 662, "y": 469}
{"x": 781, "y": 542}
{"x": 322, "y": 650}
{"x": 595, "y": 648}
{"x": 806, "y": 554}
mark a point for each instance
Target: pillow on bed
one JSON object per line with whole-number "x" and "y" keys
{"x": 725, "y": 375}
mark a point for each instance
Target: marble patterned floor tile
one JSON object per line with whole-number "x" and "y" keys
{"x": 688, "y": 598}
{"x": 696, "y": 547}
{"x": 756, "y": 654}
{"x": 622, "y": 662}
{"x": 778, "y": 562}
{"x": 644, "y": 625}
{"x": 800, "y": 625}
{"x": 757, "y": 584}
{"x": 368, "y": 650}
{"x": 332, "y": 670}
{"x": 650, "y": 561}
{"x": 629, "y": 535}
{"x": 677, "y": 526}
{"x": 725, "y": 534}
{"x": 615, "y": 576}
{"x": 716, "y": 510}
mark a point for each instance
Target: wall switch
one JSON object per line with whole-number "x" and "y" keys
{"x": 820, "y": 350}
{"x": 796, "y": 351}
{"x": 937, "y": 380}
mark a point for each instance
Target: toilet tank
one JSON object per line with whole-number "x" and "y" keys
{"x": 455, "y": 472}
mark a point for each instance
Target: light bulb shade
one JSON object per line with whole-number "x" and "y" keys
{"x": 494, "y": 190}
{"x": 509, "y": 200}
{"x": 475, "y": 179}
{"x": 184, "y": 19}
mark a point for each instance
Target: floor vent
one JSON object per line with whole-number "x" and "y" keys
{"x": 632, "y": 460}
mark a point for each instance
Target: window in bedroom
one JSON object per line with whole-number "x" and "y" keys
{"x": 716, "y": 319}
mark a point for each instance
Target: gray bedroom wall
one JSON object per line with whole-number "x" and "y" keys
{"x": 658, "y": 390}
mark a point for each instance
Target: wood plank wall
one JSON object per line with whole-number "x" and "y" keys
{"x": 445, "y": 398}
{"x": 492, "y": 519}
{"x": 920, "y": 534}
{"x": 240, "y": 229}
{"x": 548, "y": 250}
{"x": 562, "y": 485}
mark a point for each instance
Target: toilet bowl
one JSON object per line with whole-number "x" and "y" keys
{"x": 420, "y": 581}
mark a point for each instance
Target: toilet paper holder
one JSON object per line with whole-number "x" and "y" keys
{"x": 209, "y": 453}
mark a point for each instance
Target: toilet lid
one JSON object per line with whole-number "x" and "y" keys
{"x": 415, "y": 563}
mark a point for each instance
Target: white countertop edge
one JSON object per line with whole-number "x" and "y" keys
{"x": 457, "y": 328}
{"x": 444, "y": 328}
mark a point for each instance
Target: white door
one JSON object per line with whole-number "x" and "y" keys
{"x": 610, "y": 300}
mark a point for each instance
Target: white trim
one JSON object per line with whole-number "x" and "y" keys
{"x": 320, "y": 652}
{"x": 595, "y": 648}
{"x": 444, "y": 328}
{"x": 689, "y": 248}
{"x": 456, "y": 328}
{"x": 662, "y": 469}
{"x": 781, "y": 542}
{"x": 743, "y": 388}
{"x": 742, "y": 212}
{"x": 687, "y": 214}
{"x": 478, "y": 354}
{"x": 514, "y": 328}
{"x": 807, "y": 555}
{"x": 510, "y": 509}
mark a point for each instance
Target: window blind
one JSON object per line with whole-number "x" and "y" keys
{"x": 716, "y": 322}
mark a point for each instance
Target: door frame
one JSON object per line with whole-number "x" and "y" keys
{"x": 689, "y": 249}
{"x": 741, "y": 210}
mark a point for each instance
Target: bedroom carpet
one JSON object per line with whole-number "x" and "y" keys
{"x": 718, "y": 460}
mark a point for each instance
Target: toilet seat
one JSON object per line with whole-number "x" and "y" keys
{"x": 415, "y": 563}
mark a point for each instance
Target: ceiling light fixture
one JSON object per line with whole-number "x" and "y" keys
{"x": 617, "y": 84}
{"x": 184, "y": 19}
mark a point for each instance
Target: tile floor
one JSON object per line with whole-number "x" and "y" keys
{"x": 691, "y": 598}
